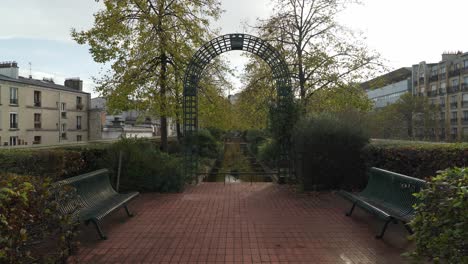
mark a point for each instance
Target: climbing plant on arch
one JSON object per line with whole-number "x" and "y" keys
{"x": 283, "y": 109}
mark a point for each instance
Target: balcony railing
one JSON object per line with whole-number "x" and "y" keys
{"x": 37, "y": 103}
{"x": 453, "y": 89}
{"x": 441, "y": 91}
{"x": 13, "y": 125}
{"x": 454, "y": 105}
{"x": 442, "y": 105}
{"x": 78, "y": 127}
{"x": 442, "y": 76}
{"x": 421, "y": 80}
{"x": 79, "y": 107}
{"x": 64, "y": 115}
{"x": 434, "y": 78}
{"x": 464, "y": 87}
{"x": 63, "y": 135}
{"x": 14, "y": 101}
{"x": 37, "y": 125}
{"x": 454, "y": 73}
{"x": 465, "y": 69}
{"x": 453, "y": 120}
{"x": 465, "y": 121}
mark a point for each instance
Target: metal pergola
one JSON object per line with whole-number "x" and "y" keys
{"x": 194, "y": 72}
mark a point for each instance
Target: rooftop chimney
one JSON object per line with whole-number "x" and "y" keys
{"x": 9, "y": 69}
{"x": 74, "y": 83}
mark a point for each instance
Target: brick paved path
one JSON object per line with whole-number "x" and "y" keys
{"x": 241, "y": 223}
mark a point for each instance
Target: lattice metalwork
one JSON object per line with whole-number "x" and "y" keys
{"x": 203, "y": 57}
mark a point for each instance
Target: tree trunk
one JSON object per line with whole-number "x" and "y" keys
{"x": 162, "y": 82}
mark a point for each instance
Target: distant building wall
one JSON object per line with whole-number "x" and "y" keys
{"x": 389, "y": 94}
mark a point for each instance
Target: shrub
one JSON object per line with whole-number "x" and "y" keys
{"x": 254, "y": 139}
{"x": 416, "y": 159}
{"x": 32, "y": 227}
{"x": 268, "y": 152}
{"x": 205, "y": 143}
{"x": 441, "y": 223}
{"x": 217, "y": 133}
{"x": 144, "y": 167}
{"x": 54, "y": 163}
{"x": 327, "y": 150}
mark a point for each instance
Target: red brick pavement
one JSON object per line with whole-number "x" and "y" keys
{"x": 241, "y": 223}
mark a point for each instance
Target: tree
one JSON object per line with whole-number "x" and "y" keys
{"x": 147, "y": 44}
{"x": 340, "y": 100}
{"x": 322, "y": 54}
{"x": 400, "y": 120}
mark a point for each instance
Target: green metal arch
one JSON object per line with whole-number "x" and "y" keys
{"x": 204, "y": 56}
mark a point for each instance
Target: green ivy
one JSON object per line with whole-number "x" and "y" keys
{"x": 441, "y": 222}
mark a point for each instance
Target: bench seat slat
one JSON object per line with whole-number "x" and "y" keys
{"x": 388, "y": 195}
{"x": 95, "y": 197}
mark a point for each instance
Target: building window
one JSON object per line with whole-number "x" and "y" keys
{"x": 456, "y": 66}
{"x": 13, "y": 96}
{"x": 465, "y": 64}
{"x": 455, "y": 82}
{"x": 465, "y": 115}
{"x": 78, "y": 122}
{"x": 433, "y": 87}
{"x": 453, "y": 116}
{"x": 37, "y": 140}
{"x": 37, "y": 121}
{"x": 64, "y": 127}
{"x": 14, "y": 141}
{"x": 442, "y": 69}
{"x": 465, "y": 80}
{"x": 443, "y": 87}
{"x": 37, "y": 98}
{"x": 442, "y": 101}
{"x": 63, "y": 106}
{"x": 442, "y": 115}
{"x": 13, "y": 121}
{"x": 79, "y": 138}
{"x": 79, "y": 103}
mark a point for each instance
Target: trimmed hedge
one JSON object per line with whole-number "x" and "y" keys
{"x": 416, "y": 159}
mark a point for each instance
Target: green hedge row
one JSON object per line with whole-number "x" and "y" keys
{"x": 416, "y": 159}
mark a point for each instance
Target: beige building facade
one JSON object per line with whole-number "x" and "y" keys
{"x": 40, "y": 112}
{"x": 446, "y": 85}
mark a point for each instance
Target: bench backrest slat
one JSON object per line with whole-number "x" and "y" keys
{"x": 393, "y": 189}
{"x": 92, "y": 188}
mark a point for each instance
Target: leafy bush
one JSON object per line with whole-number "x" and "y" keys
{"x": 217, "y": 133}
{"x": 268, "y": 152}
{"x": 144, "y": 167}
{"x": 254, "y": 139}
{"x": 205, "y": 143}
{"x": 327, "y": 150}
{"x": 416, "y": 159}
{"x": 32, "y": 227}
{"x": 441, "y": 222}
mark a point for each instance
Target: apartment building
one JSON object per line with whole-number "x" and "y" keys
{"x": 40, "y": 112}
{"x": 445, "y": 84}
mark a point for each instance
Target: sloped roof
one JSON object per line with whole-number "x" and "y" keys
{"x": 39, "y": 83}
{"x": 389, "y": 78}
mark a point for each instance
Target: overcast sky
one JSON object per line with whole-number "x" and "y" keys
{"x": 404, "y": 32}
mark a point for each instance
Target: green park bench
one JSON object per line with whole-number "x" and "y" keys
{"x": 389, "y": 196}
{"x": 95, "y": 198}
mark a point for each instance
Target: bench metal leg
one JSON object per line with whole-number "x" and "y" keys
{"x": 128, "y": 211}
{"x": 352, "y": 209}
{"x": 98, "y": 228}
{"x": 384, "y": 229}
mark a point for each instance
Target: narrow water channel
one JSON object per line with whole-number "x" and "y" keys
{"x": 236, "y": 165}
